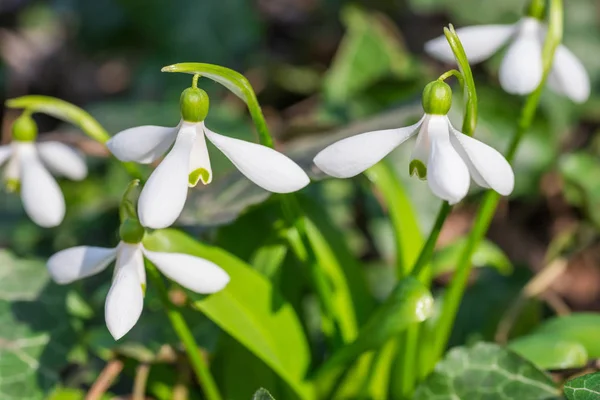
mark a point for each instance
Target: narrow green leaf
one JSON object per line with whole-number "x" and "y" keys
{"x": 583, "y": 328}
{"x": 236, "y": 83}
{"x": 586, "y": 387}
{"x": 262, "y": 394}
{"x": 486, "y": 371}
{"x": 249, "y": 309}
{"x": 64, "y": 111}
{"x": 550, "y": 352}
{"x": 487, "y": 254}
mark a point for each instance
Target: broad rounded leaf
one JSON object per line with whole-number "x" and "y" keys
{"x": 586, "y": 387}
{"x": 487, "y": 254}
{"x": 579, "y": 327}
{"x": 550, "y": 352}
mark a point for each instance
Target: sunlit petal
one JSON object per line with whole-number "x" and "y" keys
{"x": 142, "y": 144}
{"x": 63, "y": 160}
{"x": 447, "y": 174}
{"x": 480, "y": 42}
{"x": 351, "y": 156}
{"x": 264, "y": 166}
{"x": 79, "y": 262}
{"x": 193, "y": 273}
{"x": 125, "y": 299}
{"x": 164, "y": 195}
{"x": 42, "y": 199}
{"x": 521, "y": 70}
{"x": 488, "y": 168}
{"x": 568, "y": 76}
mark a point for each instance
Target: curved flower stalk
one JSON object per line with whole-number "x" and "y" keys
{"x": 125, "y": 298}
{"x": 521, "y": 69}
{"x": 188, "y": 161}
{"x": 447, "y": 158}
{"x": 28, "y": 170}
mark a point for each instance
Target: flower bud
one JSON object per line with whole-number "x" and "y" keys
{"x": 131, "y": 231}
{"x": 437, "y": 98}
{"x": 24, "y": 128}
{"x": 194, "y": 105}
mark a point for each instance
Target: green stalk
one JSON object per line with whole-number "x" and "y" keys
{"x": 491, "y": 199}
{"x": 184, "y": 333}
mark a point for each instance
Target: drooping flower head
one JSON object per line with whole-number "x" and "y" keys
{"x": 125, "y": 299}
{"x": 28, "y": 167}
{"x": 521, "y": 69}
{"x": 447, "y": 158}
{"x": 188, "y": 161}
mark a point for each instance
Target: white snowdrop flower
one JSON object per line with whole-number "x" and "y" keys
{"x": 444, "y": 156}
{"x": 188, "y": 161}
{"x": 125, "y": 298}
{"x": 521, "y": 69}
{"x": 28, "y": 167}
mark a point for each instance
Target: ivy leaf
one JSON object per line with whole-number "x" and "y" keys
{"x": 35, "y": 333}
{"x": 586, "y": 387}
{"x": 488, "y": 371}
{"x": 262, "y": 394}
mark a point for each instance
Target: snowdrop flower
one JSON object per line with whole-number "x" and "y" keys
{"x": 27, "y": 170}
{"x": 188, "y": 161}
{"x": 521, "y": 69}
{"x": 444, "y": 156}
{"x": 125, "y": 298}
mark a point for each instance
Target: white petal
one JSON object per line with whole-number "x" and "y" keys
{"x": 5, "y": 152}
{"x": 193, "y": 273}
{"x": 351, "y": 156}
{"x": 568, "y": 76}
{"x": 264, "y": 166}
{"x": 142, "y": 144}
{"x": 79, "y": 262}
{"x": 480, "y": 42}
{"x": 125, "y": 298}
{"x": 42, "y": 199}
{"x": 63, "y": 160}
{"x": 488, "y": 168}
{"x": 422, "y": 146}
{"x": 163, "y": 196}
{"x": 447, "y": 173}
{"x": 199, "y": 159}
{"x": 521, "y": 70}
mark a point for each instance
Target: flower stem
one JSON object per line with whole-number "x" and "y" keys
{"x": 491, "y": 199}
{"x": 185, "y": 335}
{"x": 195, "y": 81}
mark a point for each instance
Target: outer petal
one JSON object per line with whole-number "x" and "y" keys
{"x": 488, "y": 168}
{"x": 264, "y": 166}
{"x": 125, "y": 298}
{"x": 79, "y": 262}
{"x": 63, "y": 160}
{"x": 5, "y": 152}
{"x": 447, "y": 173}
{"x": 480, "y": 42}
{"x": 193, "y": 273}
{"x": 199, "y": 160}
{"x": 521, "y": 70}
{"x": 142, "y": 144}
{"x": 351, "y": 156}
{"x": 568, "y": 76}
{"x": 163, "y": 196}
{"x": 42, "y": 199}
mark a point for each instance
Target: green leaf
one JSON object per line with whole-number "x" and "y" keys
{"x": 583, "y": 189}
{"x": 249, "y": 309}
{"x": 486, "y": 371}
{"x": 236, "y": 83}
{"x": 550, "y": 352}
{"x": 583, "y": 328}
{"x": 586, "y": 387}
{"x": 262, "y": 394}
{"x": 35, "y": 331}
{"x": 370, "y": 51}
{"x": 62, "y": 110}
{"x": 487, "y": 254}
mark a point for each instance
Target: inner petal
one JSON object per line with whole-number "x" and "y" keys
{"x": 200, "y": 168}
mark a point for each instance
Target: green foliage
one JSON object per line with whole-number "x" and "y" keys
{"x": 487, "y": 371}
{"x": 262, "y": 394}
{"x": 486, "y": 255}
{"x": 586, "y": 387}
{"x": 550, "y": 352}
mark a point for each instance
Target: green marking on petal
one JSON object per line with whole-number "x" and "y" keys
{"x": 12, "y": 185}
{"x": 417, "y": 168}
{"x": 197, "y": 175}
{"x": 144, "y": 288}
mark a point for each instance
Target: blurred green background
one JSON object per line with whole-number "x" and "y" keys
{"x": 322, "y": 69}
